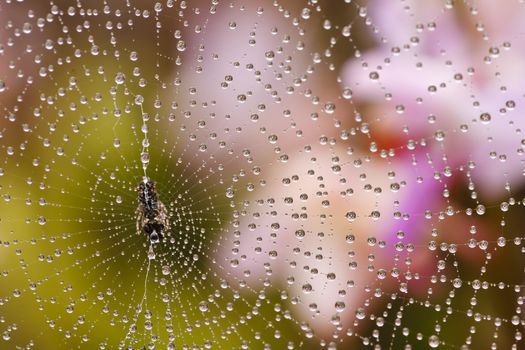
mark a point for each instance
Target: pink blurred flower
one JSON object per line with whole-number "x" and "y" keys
{"x": 333, "y": 228}
{"x": 441, "y": 80}
{"x": 328, "y": 228}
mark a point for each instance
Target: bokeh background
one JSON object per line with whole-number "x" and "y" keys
{"x": 338, "y": 174}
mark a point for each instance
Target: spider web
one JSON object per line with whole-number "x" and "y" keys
{"x": 333, "y": 178}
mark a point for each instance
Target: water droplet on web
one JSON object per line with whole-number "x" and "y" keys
{"x": 433, "y": 341}
{"x": 230, "y": 193}
{"x": 480, "y": 209}
{"x": 144, "y": 158}
{"x": 120, "y": 78}
{"x": 305, "y": 13}
{"x": 347, "y": 94}
{"x": 203, "y": 306}
{"x": 307, "y": 288}
{"x": 329, "y": 108}
{"x": 42, "y": 220}
{"x": 374, "y": 76}
{"x": 485, "y": 118}
{"x": 360, "y": 313}
{"x": 181, "y": 45}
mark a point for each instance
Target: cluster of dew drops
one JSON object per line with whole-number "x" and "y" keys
{"x": 262, "y": 165}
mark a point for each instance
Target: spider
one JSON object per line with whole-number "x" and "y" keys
{"x": 152, "y": 216}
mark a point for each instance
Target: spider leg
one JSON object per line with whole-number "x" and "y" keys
{"x": 164, "y": 216}
{"x": 140, "y": 218}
